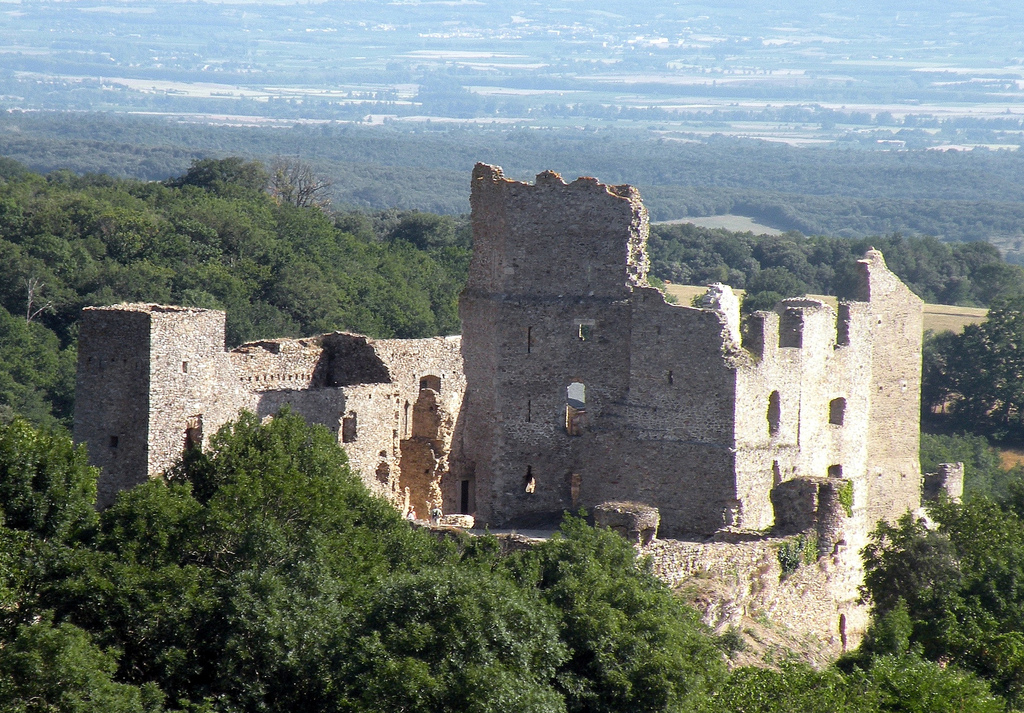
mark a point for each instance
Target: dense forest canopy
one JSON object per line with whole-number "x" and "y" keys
{"x": 848, "y": 192}
{"x": 210, "y": 238}
{"x": 262, "y": 576}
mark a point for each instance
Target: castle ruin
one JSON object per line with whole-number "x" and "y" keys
{"x": 574, "y": 385}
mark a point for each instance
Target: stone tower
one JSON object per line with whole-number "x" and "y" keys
{"x": 147, "y": 376}
{"x": 584, "y": 386}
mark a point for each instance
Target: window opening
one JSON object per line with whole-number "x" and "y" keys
{"x": 774, "y": 413}
{"x": 529, "y": 339}
{"x": 575, "y": 483}
{"x": 529, "y": 482}
{"x": 776, "y": 473}
{"x": 843, "y": 325}
{"x": 113, "y": 441}
{"x": 184, "y": 367}
{"x": 430, "y": 382}
{"x": 791, "y": 328}
{"x": 194, "y": 432}
{"x": 349, "y": 427}
{"x": 464, "y": 498}
{"x": 405, "y": 420}
{"x": 529, "y": 410}
{"x": 575, "y": 408}
{"x": 835, "y": 471}
{"x": 670, "y": 378}
{"x": 837, "y": 411}
{"x": 584, "y": 329}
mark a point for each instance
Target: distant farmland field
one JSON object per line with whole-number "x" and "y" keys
{"x": 938, "y": 318}
{"x": 735, "y": 223}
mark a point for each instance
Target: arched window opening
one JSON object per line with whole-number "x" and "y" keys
{"x": 430, "y": 382}
{"x": 349, "y": 427}
{"x": 575, "y": 408}
{"x": 774, "y": 413}
{"x": 194, "y": 432}
{"x": 529, "y": 482}
{"x": 837, "y": 411}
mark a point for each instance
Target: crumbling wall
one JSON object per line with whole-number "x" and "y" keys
{"x": 156, "y": 380}
{"x": 820, "y": 597}
{"x": 820, "y": 388}
{"x": 547, "y": 307}
{"x": 674, "y": 407}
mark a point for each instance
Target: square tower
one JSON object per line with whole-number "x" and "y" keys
{"x": 145, "y": 375}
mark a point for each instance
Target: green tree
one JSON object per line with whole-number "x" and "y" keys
{"x": 46, "y": 484}
{"x": 981, "y": 371}
{"x": 632, "y": 644}
{"x": 57, "y": 668}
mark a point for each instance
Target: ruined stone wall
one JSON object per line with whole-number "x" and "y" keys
{"x": 821, "y": 384}
{"x": 821, "y": 597}
{"x": 670, "y": 408}
{"x": 679, "y": 454}
{"x": 187, "y": 365}
{"x": 155, "y": 380}
{"x": 546, "y": 322}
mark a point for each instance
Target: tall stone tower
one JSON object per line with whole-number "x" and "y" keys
{"x": 146, "y": 374}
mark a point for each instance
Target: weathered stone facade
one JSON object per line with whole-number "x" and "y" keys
{"x": 153, "y": 380}
{"x": 585, "y": 386}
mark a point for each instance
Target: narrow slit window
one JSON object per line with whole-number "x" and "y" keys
{"x": 529, "y": 339}
{"x": 575, "y": 484}
{"x": 529, "y": 410}
{"x": 184, "y": 367}
{"x": 774, "y": 413}
{"x": 671, "y": 379}
{"x": 575, "y": 408}
{"x": 464, "y": 498}
{"x": 113, "y": 441}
